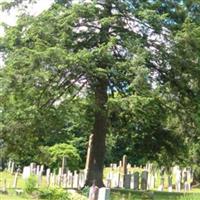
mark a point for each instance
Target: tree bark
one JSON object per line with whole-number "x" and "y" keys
{"x": 96, "y": 150}
{"x": 97, "y": 146}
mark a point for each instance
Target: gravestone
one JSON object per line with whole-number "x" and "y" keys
{"x": 41, "y": 169}
{"x": 114, "y": 165}
{"x": 26, "y": 172}
{"x": 124, "y": 168}
{"x": 161, "y": 186}
{"x": 111, "y": 166}
{"x": 9, "y": 165}
{"x": 127, "y": 181}
{"x": 88, "y": 158}
{"x": 104, "y": 194}
{"x": 124, "y": 165}
{"x": 15, "y": 179}
{"x": 48, "y": 177}
{"x": 151, "y": 182}
{"x": 4, "y": 189}
{"x": 108, "y": 183}
{"x": 128, "y": 166}
{"x": 53, "y": 181}
{"x": 40, "y": 179}
{"x": 185, "y": 181}
{"x": 178, "y": 180}
{"x": 170, "y": 183}
{"x": 37, "y": 170}
{"x": 144, "y": 179}
{"x": 59, "y": 180}
{"x": 116, "y": 180}
{"x": 81, "y": 178}
{"x": 120, "y": 164}
{"x": 76, "y": 180}
{"x": 189, "y": 177}
{"x": 12, "y": 167}
{"x": 64, "y": 180}
{"x": 136, "y": 181}
{"x": 93, "y": 193}
{"x": 64, "y": 165}
{"x": 33, "y": 168}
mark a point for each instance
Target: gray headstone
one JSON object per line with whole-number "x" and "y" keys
{"x": 64, "y": 165}
{"x": 144, "y": 179}
{"x": 127, "y": 181}
{"x": 124, "y": 165}
{"x": 136, "y": 181}
{"x": 12, "y": 167}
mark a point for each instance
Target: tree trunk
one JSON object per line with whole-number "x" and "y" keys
{"x": 96, "y": 149}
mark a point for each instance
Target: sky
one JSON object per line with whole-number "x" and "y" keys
{"x": 11, "y": 17}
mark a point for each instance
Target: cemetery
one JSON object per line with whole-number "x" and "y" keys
{"x": 99, "y": 100}
{"x": 122, "y": 181}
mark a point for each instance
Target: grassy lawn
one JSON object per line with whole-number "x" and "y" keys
{"x": 119, "y": 194}
{"x": 116, "y": 194}
{"x": 12, "y": 196}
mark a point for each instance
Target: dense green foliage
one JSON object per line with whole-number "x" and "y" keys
{"x": 148, "y": 53}
{"x": 30, "y": 184}
{"x": 53, "y": 193}
{"x": 52, "y": 156}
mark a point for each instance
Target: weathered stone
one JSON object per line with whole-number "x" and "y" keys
{"x": 26, "y": 172}
{"x": 104, "y": 194}
{"x": 48, "y": 177}
{"x": 127, "y": 181}
{"x": 93, "y": 193}
{"x": 124, "y": 165}
{"x": 136, "y": 181}
{"x": 144, "y": 179}
{"x": 178, "y": 180}
{"x": 15, "y": 180}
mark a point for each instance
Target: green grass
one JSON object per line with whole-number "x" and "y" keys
{"x": 121, "y": 194}
{"x": 12, "y": 196}
{"x": 117, "y": 194}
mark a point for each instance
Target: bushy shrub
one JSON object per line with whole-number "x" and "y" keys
{"x": 85, "y": 191}
{"x": 53, "y": 194}
{"x": 30, "y": 184}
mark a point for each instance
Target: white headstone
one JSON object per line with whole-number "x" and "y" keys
{"x": 178, "y": 180}
{"x": 37, "y": 170}
{"x": 26, "y": 172}
{"x": 48, "y": 176}
{"x": 104, "y": 194}
{"x": 93, "y": 193}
